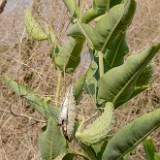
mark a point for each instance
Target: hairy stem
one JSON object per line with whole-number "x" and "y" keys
{"x": 58, "y": 88}
{"x": 101, "y": 64}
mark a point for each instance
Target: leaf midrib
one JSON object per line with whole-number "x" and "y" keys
{"x": 111, "y": 33}
{"x": 133, "y": 77}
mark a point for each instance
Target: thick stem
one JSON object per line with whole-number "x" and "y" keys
{"x": 101, "y": 64}
{"x": 58, "y": 88}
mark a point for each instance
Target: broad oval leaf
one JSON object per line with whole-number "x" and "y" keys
{"x": 118, "y": 83}
{"x": 52, "y": 143}
{"x": 131, "y": 135}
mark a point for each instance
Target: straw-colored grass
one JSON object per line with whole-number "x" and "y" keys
{"x": 28, "y": 62}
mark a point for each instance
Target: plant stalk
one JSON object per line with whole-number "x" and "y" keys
{"x": 101, "y": 64}
{"x": 58, "y": 88}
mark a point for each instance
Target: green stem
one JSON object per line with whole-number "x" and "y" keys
{"x": 58, "y": 88}
{"x": 101, "y": 64}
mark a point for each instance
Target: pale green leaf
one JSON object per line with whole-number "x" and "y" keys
{"x": 51, "y": 142}
{"x": 69, "y": 56}
{"x": 129, "y": 136}
{"x": 117, "y": 85}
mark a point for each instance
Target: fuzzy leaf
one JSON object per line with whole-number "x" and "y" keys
{"x": 72, "y": 7}
{"x": 131, "y": 135}
{"x": 69, "y": 55}
{"x": 33, "y": 28}
{"x": 91, "y": 135}
{"x": 51, "y": 142}
{"x": 117, "y": 85}
{"x": 145, "y": 77}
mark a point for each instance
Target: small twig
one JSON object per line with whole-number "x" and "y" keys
{"x": 58, "y": 87}
{"x": 21, "y": 115}
{"x": 101, "y": 64}
{"x": 2, "y": 5}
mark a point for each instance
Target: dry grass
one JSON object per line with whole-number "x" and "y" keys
{"x": 28, "y": 62}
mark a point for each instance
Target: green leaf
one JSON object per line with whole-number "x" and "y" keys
{"x": 129, "y": 136}
{"x": 99, "y": 149}
{"x": 69, "y": 55}
{"x": 91, "y": 82}
{"x": 33, "y": 28}
{"x": 27, "y": 94}
{"x": 71, "y": 154}
{"x": 104, "y": 5}
{"x": 115, "y": 55}
{"x": 90, "y": 14}
{"x": 98, "y": 130}
{"x": 115, "y": 2}
{"x": 149, "y": 148}
{"x": 156, "y": 156}
{"x": 72, "y": 7}
{"x": 51, "y": 142}
{"x": 117, "y": 85}
{"x": 145, "y": 77}
{"x": 79, "y": 85}
{"x": 109, "y": 28}
{"x": 40, "y": 105}
{"x": 100, "y": 6}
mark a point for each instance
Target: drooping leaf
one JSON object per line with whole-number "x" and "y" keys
{"x": 115, "y": 55}
{"x": 117, "y": 85}
{"x": 129, "y": 136}
{"x": 33, "y": 28}
{"x": 69, "y": 55}
{"x": 98, "y": 130}
{"x": 51, "y": 142}
{"x": 149, "y": 148}
{"x": 41, "y": 105}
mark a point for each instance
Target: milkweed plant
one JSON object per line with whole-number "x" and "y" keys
{"x": 109, "y": 79}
